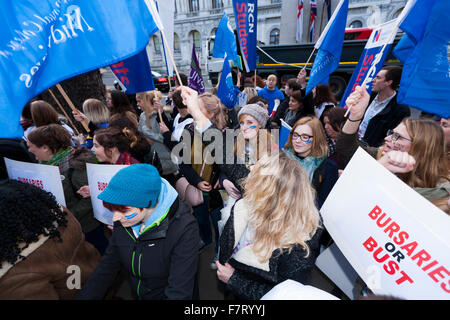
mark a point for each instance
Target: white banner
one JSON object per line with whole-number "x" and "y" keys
{"x": 43, "y": 176}
{"x": 99, "y": 176}
{"x": 397, "y": 241}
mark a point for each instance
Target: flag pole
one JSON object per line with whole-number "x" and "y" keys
{"x": 307, "y": 61}
{"x": 171, "y": 58}
{"x": 64, "y": 111}
{"x": 69, "y": 102}
{"x": 377, "y": 59}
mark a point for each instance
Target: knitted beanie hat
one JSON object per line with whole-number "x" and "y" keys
{"x": 257, "y": 112}
{"x": 137, "y": 185}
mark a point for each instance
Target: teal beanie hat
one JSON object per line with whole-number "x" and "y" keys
{"x": 137, "y": 185}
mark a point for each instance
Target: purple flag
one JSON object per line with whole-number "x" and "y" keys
{"x": 195, "y": 75}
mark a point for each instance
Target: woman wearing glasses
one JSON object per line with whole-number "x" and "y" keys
{"x": 414, "y": 150}
{"x": 307, "y": 143}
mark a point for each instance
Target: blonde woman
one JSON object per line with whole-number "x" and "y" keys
{"x": 414, "y": 150}
{"x": 308, "y": 145}
{"x": 95, "y": 115}
{"x": 273, "y": 232}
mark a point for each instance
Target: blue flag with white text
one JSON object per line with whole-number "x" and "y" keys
{"x": 225, "y": 41}
{"x": 245, "y": 14}
{"x": 135, "y": 73}
{"x": 227, "y": 92}
{"x": 47, "y": 41}
{"x": 425, "y": 82}
{"x": 330, "y": 47}
{"x": 285, "y": 130}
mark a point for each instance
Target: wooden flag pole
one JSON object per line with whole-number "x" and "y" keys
{"x": 69, "y": 102}
{"x": 64, "y": 111}
{"x": 171, "y": 57}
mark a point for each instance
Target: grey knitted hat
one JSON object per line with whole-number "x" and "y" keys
{"x": 257, "y": 112}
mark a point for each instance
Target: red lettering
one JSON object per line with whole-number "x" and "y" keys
{"x": 377, "y": 252}
{"x": 243, "y": 7}
{"x": 393, "y": 266}
{"x": 117, "y": 65}
{"x": 430, "y": 265}
{"x": 422, "y": 255}
{"x": 438, "y": 271}
{"x": 375, "y": 212}
{"x": 382, "y": 224}
{"x": 405, "y": 277}
{"x": 444, "y": 287}
{"x": 393, "y": 227}
{"x": 124, "y": 80}
{"x": 401, "y": 237}
{"x": 370, "y": 244}
{"x": 368, "y": 59}
{"x": 123, "y": 70}
{"x": 410, "y": 247}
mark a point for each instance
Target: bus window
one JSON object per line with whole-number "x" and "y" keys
{"x": 357, "y": 33}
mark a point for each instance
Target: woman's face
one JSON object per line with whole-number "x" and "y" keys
{"x": 294, "y": 105}
{"x": 329, "y": 129}
{"x": 302, "y": 140}
{"x": 41, "y": 153}
{"x": 249, "y": 127}
{"x": 399, "y": 140}
{"x": 129, "y": 218}
{"x": 109, "y": 100}
{"x": 99, "y": 151}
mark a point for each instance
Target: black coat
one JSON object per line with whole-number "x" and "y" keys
{"x": 388, "y": 118}
{"x": 162, "y": 262}
{"x": 251, "y": 283}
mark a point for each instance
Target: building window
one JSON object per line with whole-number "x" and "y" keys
{"x": 176, "y": 43}
{"x": 276, "y": 1}
{"x": 216, "y": 4}
{"x": 356, "y": 24}
{"x": 275, "y": 36}
{"x": 193, "y": 5}
{"x": 196, "y": 39}
{"x": 156, "y": 44}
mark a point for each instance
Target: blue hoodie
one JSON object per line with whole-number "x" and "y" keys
{"x": 166, "y": 198}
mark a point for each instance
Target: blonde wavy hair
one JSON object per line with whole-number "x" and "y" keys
{"x": 281, "y": 201}
{"x": 96, "y": 111}
{"x": 212, "y": 104}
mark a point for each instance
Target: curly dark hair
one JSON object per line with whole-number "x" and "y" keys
{"x": 26, "y": 212}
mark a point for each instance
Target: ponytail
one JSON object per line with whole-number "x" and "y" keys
{"x": 130, "y": 136}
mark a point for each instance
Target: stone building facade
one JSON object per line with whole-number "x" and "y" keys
{"x": 197, "y": 20}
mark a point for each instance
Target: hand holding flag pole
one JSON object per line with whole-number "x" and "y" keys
{"x": 401, "y": 17}
{"x": 69, "y": 102}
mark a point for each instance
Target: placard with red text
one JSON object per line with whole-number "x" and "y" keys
{"x": 397, "y": 241}
{"x": 99, "y": 176}
{"x": 42, "y": 176}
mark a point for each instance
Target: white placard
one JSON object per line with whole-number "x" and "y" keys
{"x": 397, "y": 241}
{"x": 43, "y": 176}
{"x": 99, "y": 176}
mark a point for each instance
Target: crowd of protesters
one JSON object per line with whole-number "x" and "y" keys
{"x": 256, "y": 201}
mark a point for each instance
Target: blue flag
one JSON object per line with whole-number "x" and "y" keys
{"x": 227, "y": 92}
{"x": 225, "y": 41}
{"x": 135, "y": 73}
{"x": 368, "y": 66}
{"x": 330, "y": 47}
{"x": 285, "y": 130}
{"x": 425, "y": 82}
{"x": 44, "y": 42}
{"x": 245, "y": 13}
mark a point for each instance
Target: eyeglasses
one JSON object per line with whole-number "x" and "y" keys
{"x": 395, "y": 136}
{"x": 303, "y": 137}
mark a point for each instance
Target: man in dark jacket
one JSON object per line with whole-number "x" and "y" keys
{"x": 155, "y": 238}
{"x": 384, "y": 112}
